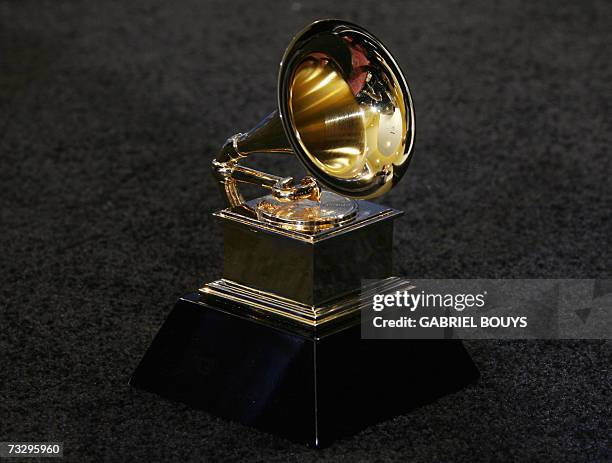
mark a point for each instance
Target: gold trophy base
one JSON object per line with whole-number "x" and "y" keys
{"x": 303, "y": 274}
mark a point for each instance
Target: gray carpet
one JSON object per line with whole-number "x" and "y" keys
{"x": 110, "y": 113}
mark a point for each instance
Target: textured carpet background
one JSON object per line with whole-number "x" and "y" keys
{"x": 110, "y": 113}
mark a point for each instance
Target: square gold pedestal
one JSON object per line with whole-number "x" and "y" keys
{"x": 311, "y": 278}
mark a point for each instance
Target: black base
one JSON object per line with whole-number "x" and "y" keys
{"x": 309, "y": 388}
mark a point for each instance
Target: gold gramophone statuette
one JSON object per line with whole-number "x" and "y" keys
{"x": 345, "y": 110}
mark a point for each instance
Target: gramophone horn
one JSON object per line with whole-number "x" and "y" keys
{"x": 344, "y": 109}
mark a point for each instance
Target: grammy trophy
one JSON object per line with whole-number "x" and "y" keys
{"x": 275, "y": 342}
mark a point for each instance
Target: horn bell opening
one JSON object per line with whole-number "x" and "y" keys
{"x": 346, "y": 109}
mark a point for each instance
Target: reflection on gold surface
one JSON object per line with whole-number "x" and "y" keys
{"x": 345, "y": 138}
{"x": 308, "y": 215}
{"x": 328, "y": 120}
